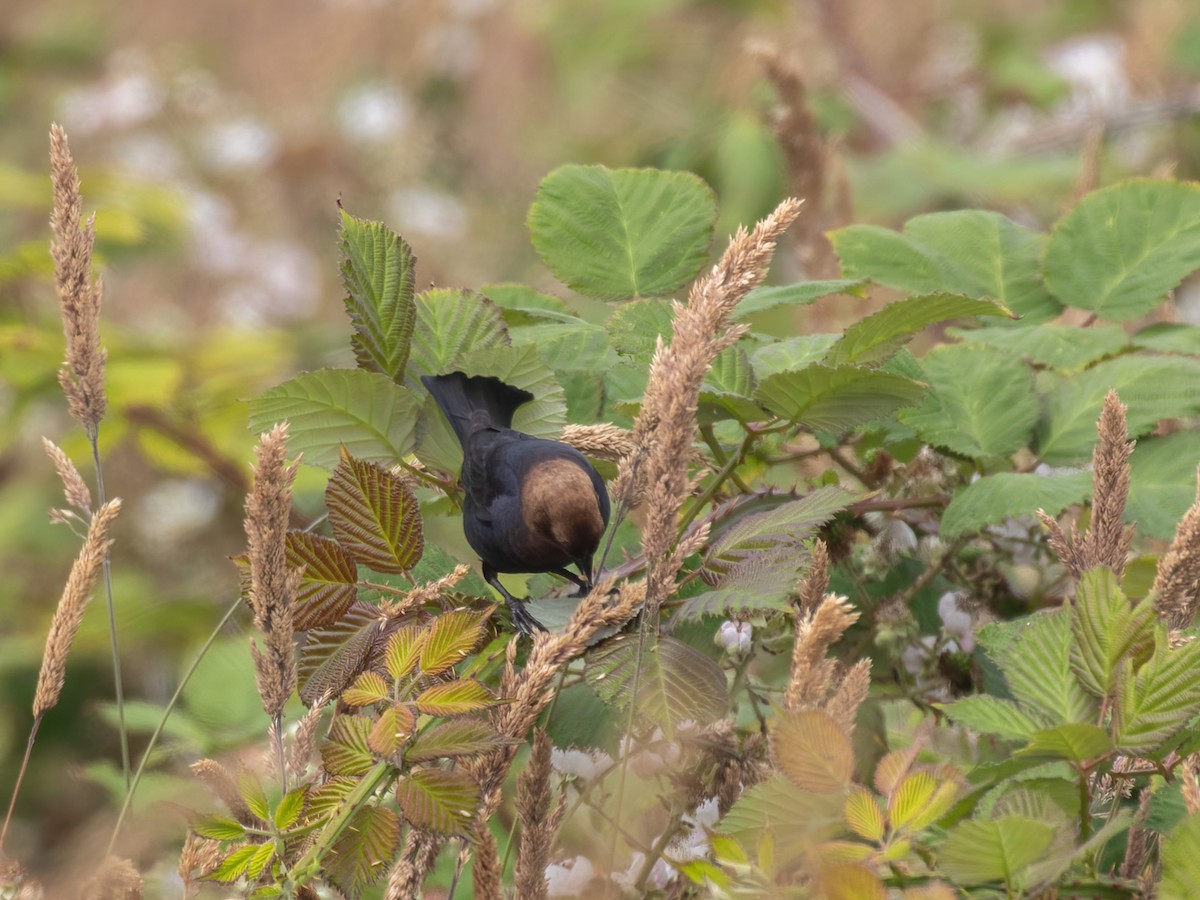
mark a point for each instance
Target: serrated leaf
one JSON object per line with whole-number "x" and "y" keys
{"x": 730, "y": 373}
{"x": 981, "y": 402}
{"x": 991, "y": 715}
{"x": 1008, "y": 495}
{"x": 813, "y": 751}
{"x": 977, "y": 852}
{"x": 363, "y": 851}
{"x": 289, "y": 808}
{"x": 785, "y": 526}
{"x": 1169, "y": 337}
{"x": 787, "y": 812}
{"x": 334, "y": 656}
{"x": 391, "y": 729}
{"x": 378, "y": 272}
{"x": 1064, "y": 347}
{"x": 1109, "y": 631}
{"x": 458, "y": 737}
{"x": 262, "y": 857}
{"x": 910, "y": 798}
{"x": 568, "y": 347}
{"x": 1162, "y": 482}
{"x": 438, "y": 800}
{"x": 1034, "y": 653}
{"x": 1159, "y": 700}
{"x": 374, "y": 516}
{"x": 234, "y": 865}
{"x": 522, "y": 305}
{"x": 403, "y": 651}
{"x": 327, "y": 798}
{"x": 791, "y": 354}
{"x": 973, "y": 252}
{"x": 1121, "y": 249}
{"x": 835, "y": 399}
{"x": 1181, "y": 861}
{"x": 634, "y": 328}
{"x": 863, "y": 814}
{"x": 618, "y": 233}
{"x": 346, "y": 751}
{"x": 803, "y": 293}
{"x": 365, "y": 412}
{"x": 1075, "y": 741}
{"x": 368, "y": 689}
{"x": 1153, "y": 387}
{"x": 846, "y": 881}
{"x": 251, "y": 791}
{"x": 894, "y": 768}
{"x": 879, "y": 335}
{"x": 329, "y": 583}
{"x": 453, "y": 698}
{"x": 452, "y": 325}
{"x": 451, "y": 637}
{"x": 944, "y": 797}
{"x": 219, "y": 828}
{"x": 763, "y": 580}
{"x": 675, "y": 682}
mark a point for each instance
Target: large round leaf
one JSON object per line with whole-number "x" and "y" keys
{"x": 619, "y": 233}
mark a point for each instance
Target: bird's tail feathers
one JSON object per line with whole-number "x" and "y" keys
{"x": 471, "y": 402}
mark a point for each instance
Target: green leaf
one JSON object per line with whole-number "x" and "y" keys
{"x": 1164, "y": 695}
{"x": 1034, "y": 653}
{"x": 439, "y": 800}
{"x": 634, "y": 328}
{"x": 1077, "y": 742}
{"x": 251, "y": 790}
{"x": 374, "y": 516}
{"x": 289, "y": 808}
{"x": 346, "y": 751}
{"x": 1067, "y": 348}
{"x": 879, "y": 335}
{"x": 977, "y": 852}
{"x": 368, "y": 689}
{"x": 234, "y": 865}
{"x": 1181, "y": 862}
{"x": 458, "y": 737}
{"x": 1162, "y": 483}
{"x": 568, "y": 347}
{"x": 329, "y": 584}
{"x": 1153, "y": 388}
{"x": 763, "y": 580}
{"x": 363, "y": 851}
{"x": 972, "y": 252}
{"x": 378, "y": 271}
{"x": 1109, "y": 631}
{"x": 617, "y": 233}
{"x": 453, "y": 698}
{"x": 981, "y": 402}
{"x": 451, "y": 326}
{"x": 826, "y": 399}
{"x": 813, "y": 751}
{"x": 991, "y": 715}
{"x": 1169, "y": 337}
{"x": 803, "y": 293}
{"x": 787, "y": 525}
{"x": 335, "y": 655}
{"x": 257, "y": 864}
{"x": 219, "y": 828}
{"x": 451, "y": 637}
{"x": 365, "y": 412}
{"x": 996, "y": 498}
{"x": 403, "y": 651}
{"x": 863, "y": 814}
{"x": 675, "y": 682}
{"x": 1121, "y": 249}
{"x": 788, "y": 812}
{"x": 730, "y": 373}
{"x": 522, "y": 305}
{"x": 791, "y": 354}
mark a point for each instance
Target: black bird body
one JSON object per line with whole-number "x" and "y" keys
{"x": 531, "y": 505}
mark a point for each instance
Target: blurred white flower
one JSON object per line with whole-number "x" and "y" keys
{"x": 734, "y": 637}
{"x": 1094, "y": 67}
{"x": 658, "y": 755}
{"x": 373, "y": 112}
{"x": 176, "y": 510}
{"x": 957, "y": 621}
{"x": 239, "y": 145}
{"x": 429, "y": 212}
{"x": 569, "y": 877}
{"x": 579, "y": 763}
{"x": 128, "y": 95}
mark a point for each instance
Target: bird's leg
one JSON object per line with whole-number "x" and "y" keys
{"x": 584, "y": 586}
{"x": 522, "y": 620}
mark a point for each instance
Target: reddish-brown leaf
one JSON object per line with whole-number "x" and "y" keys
{"x": 374, "y": 515}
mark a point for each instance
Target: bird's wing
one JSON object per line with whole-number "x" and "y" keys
{"x": 487, "y": 472}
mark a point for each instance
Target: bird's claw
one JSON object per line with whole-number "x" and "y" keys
{"x": 523, "y": 621}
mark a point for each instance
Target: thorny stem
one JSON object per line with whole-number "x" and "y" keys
{"x": 710, "y": 438}
{"x": 1085, "y": 807}
{"x": 162, "y": 722}
{"x": 277, "y": 728}
{"x": 850, "y": 466}
{"x": 118, "y": 683}
{"x": 12, "y": 805}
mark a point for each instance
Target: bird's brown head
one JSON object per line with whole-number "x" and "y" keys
{"x": 560, "y": 505}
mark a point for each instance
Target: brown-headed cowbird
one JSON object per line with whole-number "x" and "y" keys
{"x": 531, "y": 505}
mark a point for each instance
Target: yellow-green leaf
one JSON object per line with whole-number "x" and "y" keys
{"x": 439, "y": 800}
{"x": 391, "y": 729}
{"x": 863, "y": 814}
{"x": 812, "y": 751}
{"x": 368, "y": 689}
{"x": 454, "y": 698}
{"x": 403, "y": 651}
{"x": 451, "y": 637}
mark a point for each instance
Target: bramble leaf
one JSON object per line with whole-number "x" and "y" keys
{"x": 812, "y": 751}
{"x": 335, "y": 655}
{"x": 439, "y": 800}
{"x": 378, "y": 272}
{"x": 361, "y": 854}
{"x": 346, "y": 751}
{"x": 1007, "y": 495}
{"x": 368, "y": 689}
{"x": 392, "y": 728}
{"x": 329, "y": 583}
{"x": 451, "y": 637}
{"x": 458, "y": 737}
{"x": 977, "y": 852}
{"x": 835, "y": 399}
{"x": 453, "y": 698}
{"x": 374, "y": 516}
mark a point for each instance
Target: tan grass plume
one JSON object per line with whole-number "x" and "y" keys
{"x": 1176, "y": 589}
{"x": 82, "y": 376}
{"x": 74, "y": 487}
{"x": 540, "y": 817}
